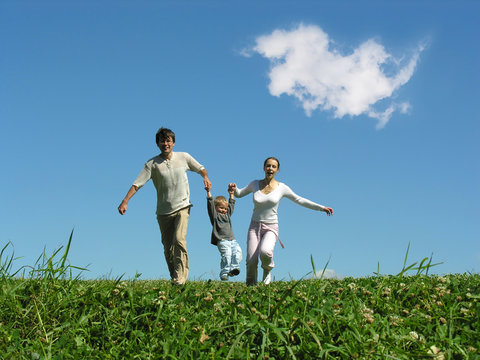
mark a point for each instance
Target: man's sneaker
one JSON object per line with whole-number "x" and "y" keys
{"x": 234, "y": 272}
{"x": 267, "y": 278}
{"x": 224, "y": 278}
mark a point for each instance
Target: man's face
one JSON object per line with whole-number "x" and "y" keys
{"x": 166, "y": 145}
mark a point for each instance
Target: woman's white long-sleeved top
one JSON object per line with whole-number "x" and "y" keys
{"x": 266, "y": 205}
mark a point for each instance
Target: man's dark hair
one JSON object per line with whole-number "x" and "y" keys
{"x": 164, "y": 133}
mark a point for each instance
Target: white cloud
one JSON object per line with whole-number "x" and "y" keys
{"x": 327, "y": 274}
{"x": 304, "y": 65}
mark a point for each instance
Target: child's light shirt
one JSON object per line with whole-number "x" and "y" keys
{"x": 266, "y": 205}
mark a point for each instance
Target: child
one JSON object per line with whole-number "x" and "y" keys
{"x": 219, "y": 211}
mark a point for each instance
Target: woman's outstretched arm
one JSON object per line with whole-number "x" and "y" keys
{"x": 288, "y": 193}
{"x": 242, "y": 192}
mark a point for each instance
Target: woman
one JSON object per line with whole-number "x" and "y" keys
{"x": 263, "y": 230}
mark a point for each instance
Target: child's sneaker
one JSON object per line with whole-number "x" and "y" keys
{"x": 234, "y": 272}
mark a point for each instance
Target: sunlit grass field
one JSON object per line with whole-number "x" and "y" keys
{"x": 47, "y": 313}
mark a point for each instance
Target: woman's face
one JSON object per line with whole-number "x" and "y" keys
{"x": 270, "y": 168}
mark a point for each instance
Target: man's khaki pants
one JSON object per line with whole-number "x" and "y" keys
{"x": 174, "y": 232}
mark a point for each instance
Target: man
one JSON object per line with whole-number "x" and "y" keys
{"x": 168, "y": 173}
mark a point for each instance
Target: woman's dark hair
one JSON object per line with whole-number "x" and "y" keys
{"x": 271, "y": 158}
{"x": 164, "y": 133}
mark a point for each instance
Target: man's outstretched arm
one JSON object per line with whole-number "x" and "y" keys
{"x": 122, "y": 208}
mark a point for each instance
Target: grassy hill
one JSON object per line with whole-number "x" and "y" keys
{"x": 51, "y": 315}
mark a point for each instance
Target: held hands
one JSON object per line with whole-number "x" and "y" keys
{"x": 231, "y": 190}
{"x": 328, "y": 211}
{"x": 207, "y": 183}
{"x": 208, "y": 186}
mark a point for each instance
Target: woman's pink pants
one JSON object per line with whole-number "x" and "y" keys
{"x": 261, "y": 241}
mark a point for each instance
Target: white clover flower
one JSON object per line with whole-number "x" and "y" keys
{"x": 436, "y": 353}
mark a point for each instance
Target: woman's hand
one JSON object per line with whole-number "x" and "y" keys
{"x": 328, "y": 211}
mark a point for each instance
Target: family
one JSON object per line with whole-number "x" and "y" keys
{"x": 168, "y": 171}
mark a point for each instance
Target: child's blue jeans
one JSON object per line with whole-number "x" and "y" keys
{"x": 231, "y": 254}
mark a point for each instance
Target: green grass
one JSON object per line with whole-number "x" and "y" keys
{"x": 47, "y": 313}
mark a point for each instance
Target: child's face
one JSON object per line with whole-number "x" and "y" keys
{"x": 221, "y": 208}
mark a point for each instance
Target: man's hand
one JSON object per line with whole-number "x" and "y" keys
{"x": 207, "y": 183}
{"x": 122, "y": 208}
{"x": 208, "y": 186}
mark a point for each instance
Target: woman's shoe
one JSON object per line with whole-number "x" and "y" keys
{"x": 267, "y": 278}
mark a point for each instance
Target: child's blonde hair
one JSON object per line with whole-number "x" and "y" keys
{"x": 220, "y": 200}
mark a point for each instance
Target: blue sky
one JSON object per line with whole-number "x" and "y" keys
{"x": 371, "y": 107}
